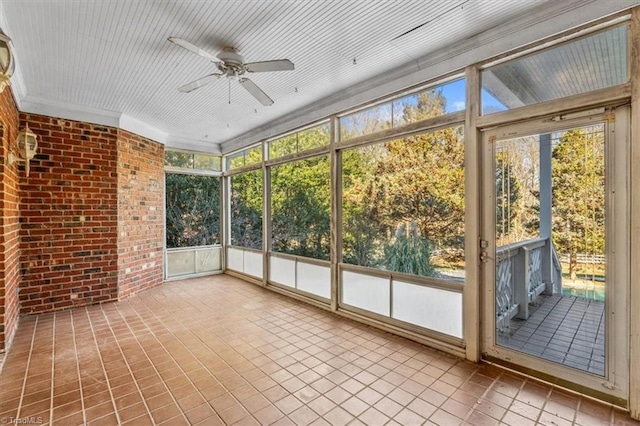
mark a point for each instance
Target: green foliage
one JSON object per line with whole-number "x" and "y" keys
{"x": 193, "y": 210}
{"x": 409, "y": 252}
{"x": 304, "y": 140}
{"x": 300, "y": 208}
{"x": 578, "y": 195}
{"x": 178, "y": 159}
{"x": 246, "y": 209}
{"x": 418, "y": 180}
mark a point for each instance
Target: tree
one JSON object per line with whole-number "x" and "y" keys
{"x": 409, "y": 252}
{"x": 300, "y": 208}
{"x": 578, "y": 194}
{"x": 192, "y": 210}
{"x": 507, "y": 197}
{"x": 246, "y": 209}
{"x": 417, "y": 180}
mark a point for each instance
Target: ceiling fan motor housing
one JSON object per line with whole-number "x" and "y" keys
{"x": 231, "y": 62}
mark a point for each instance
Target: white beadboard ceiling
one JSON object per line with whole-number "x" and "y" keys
{"x": 109, "y": 61}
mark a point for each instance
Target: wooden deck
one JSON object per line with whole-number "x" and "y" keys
{"x": 564, "y": 329}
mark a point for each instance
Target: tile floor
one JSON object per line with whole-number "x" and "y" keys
{"x": 217, "y": 350}
{"x": 564, "y": 329}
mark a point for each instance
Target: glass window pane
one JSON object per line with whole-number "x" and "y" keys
{"x": 301, "y": 208}
{"x": 193, "y": 210}
{"x": 178, "y": 159}
{"x": 365, "y": 122}
{"x": 244, "y": 158}
{"x": 403, "y": 205}
{"x": 440, "y": 100}
{"x": 253, "y": 156}
{"x": 206, "y": 162}
{"x": 434, "y": 102}
{"x": 314, "y": 137}
{"x": 304, "y": 140}
{"x": 580, "y": 66}
{"x": 283, "y": 146}
{"x": 235, "y": 161}
{"x": 246, "y": 209}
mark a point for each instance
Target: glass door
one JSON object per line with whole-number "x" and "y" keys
{"x": 554, "y": 213}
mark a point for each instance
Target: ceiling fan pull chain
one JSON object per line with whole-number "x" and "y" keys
{"x": 229, "y": 80}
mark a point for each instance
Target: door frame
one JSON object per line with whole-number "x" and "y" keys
{"x": 614, "y": 386}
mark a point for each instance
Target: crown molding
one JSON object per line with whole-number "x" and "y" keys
{"x": 133, "y": 125}
{"x": 36, "y": 105}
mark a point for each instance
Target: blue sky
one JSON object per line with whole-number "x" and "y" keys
{"x": 454, "y": 93}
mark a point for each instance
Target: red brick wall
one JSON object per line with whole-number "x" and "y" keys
{"x": 10, "y": 225}
{"x": 140, "y": 213}
{"x": 69, "y": 216}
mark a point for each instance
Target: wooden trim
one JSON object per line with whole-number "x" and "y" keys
{"x": 634, "y": 212}
{"x": 471, "y": 300}
{"x": 601, "y": 97}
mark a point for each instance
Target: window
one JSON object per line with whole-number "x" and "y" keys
{"x": 246, "y": 209}
{"x": 403, "y": 205}
{"x": 244, "y": 158}
{"x": 580, "y": 66}
{"x": 194, "y": 161}
{"x": 192, "y": 210}
{"x": 304, "y": 140}
{"x": 301, "y": 208}
{"x": 433, "y": 102}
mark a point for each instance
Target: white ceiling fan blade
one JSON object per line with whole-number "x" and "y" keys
{"x": 198, "y": 83}
{"x": 256, "y": 92}
{"x": 192, "y": 48}
{"x": 267, "y": 66}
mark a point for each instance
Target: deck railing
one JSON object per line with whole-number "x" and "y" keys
{"x": 521, "y": 277}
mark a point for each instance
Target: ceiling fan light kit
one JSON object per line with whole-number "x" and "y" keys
{"x": 231, "y": 64}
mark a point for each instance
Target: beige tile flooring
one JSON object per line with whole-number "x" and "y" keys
{"x": 218, "y": 350}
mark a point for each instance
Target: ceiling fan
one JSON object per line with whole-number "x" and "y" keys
{"x": 231, "y": 64}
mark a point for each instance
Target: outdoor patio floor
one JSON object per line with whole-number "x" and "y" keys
{"x": 564, "y": 329}
{"x": 218, "y": 350}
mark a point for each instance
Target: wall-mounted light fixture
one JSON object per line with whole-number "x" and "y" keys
{"x": 26, "y": 143}
{"x": 7, "y": 62}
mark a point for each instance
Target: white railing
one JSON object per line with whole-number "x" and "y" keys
{"x": 584, "y": 258}
{"x": 521, "y": 277}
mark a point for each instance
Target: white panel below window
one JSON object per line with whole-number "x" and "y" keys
{"x": 208, "y": 260}
{"x": 432, "y": 308}
{"x": 235, "y": 259}
{"x": 314, "y": 279}
{"x": 282, "y": 271}
{"x": 253, "y": 264}
{"x": 180, "y": 263}
{"x": 366, "y": 292}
